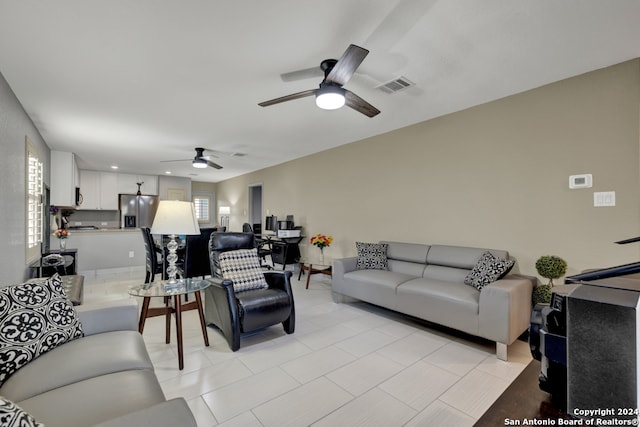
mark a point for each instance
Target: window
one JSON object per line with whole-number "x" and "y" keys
{"x": 35, "y": 206}
{"x": 202, "y": 204}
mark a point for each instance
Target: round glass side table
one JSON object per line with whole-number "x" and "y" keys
{"x": 162, "y": 289}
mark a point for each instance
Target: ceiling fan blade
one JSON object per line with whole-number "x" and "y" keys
{"x": 214, "y": 165}
{"x": 308, "y": 73}
{"x": 288, "y": 98}
{"x": 178, "y": 160}
{"x": 347, "y": 65}
{"x": 354, "y": 101}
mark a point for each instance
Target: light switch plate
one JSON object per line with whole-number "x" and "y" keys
{"x": 581, "y": 181}
{"x": 604, "y": 198}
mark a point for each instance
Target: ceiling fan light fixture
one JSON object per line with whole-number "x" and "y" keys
{"x": 199, "y": 163}
{"x": 330, "y": 97}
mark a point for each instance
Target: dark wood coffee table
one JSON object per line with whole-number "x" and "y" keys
{"x": 314, "y": 268}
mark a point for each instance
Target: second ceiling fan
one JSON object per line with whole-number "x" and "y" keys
{"x": 331, "y": 95}
{"x": 199, "y": 161}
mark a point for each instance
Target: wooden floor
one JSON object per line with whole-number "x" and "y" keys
{"x": 522, "y": 400}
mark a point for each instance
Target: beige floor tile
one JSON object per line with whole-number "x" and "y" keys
{"x": 201, "y": 412}
{"x": 316, "y": 364}
{"x": 246, "y": 419}
{"x": 302, "y": 406}
{"x": 441, "y": 415}
{"x": 411, "y": 348}
{"x": 280, "y": 351}
{"x": 372, "y": 409}
{"x": 408, "y": 386}
{"x": 474, "y": 393}
{"x": 243, "y": 395}
{"x": 363, "y": 374}
{"x": 456, "y": 358}
{"x": 366, "y": 342}
{"x": 196, "y": 383}
{"x": 327, "y": 336}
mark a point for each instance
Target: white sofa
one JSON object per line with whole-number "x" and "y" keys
{"x": 427, "y": 282}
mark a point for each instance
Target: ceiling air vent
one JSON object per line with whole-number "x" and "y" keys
{"x": 396, "y": 85}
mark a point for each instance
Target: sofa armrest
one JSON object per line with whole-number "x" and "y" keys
{"x": 505, "y": 308}
{"x": 120, "y": 315}
{"x": 174, "y": 412}
{"x": 341, "y": 266}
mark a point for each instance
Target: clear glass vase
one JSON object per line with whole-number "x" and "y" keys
{"x": 63, "y": 243}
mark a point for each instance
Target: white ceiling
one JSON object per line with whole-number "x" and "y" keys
{"x": 134, "y": 82}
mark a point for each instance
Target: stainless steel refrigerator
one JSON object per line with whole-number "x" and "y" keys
{"x": 137, "y": 211}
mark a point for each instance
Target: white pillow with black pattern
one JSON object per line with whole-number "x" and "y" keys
{"x": 488, "y": 269}
{"x": 34, "y": 318}
{"x": 242, "y": 267}
{"x": 372, "y": 256}
{"x": 11, "y": 415}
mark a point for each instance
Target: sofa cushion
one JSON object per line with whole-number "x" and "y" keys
{"x": 459, "y": 256}
{"x": 11, "y": 415}
{"x": 488, "y": 269}
{"x": 242, "y": 267}
{"x": 79, "y": 360}
{"x": 372, "y": 256}
{"x": 96, "y": 400}
{"x": 454, "y": 305}
{"x": 34, "y": 319}
{"x": 410, "y": 252}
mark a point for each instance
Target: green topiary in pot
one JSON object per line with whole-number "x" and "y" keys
{"x": 550, "y": 267}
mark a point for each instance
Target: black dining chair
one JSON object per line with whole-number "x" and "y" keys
{"x": 263, "y": 246}
{"x": 154, "y": 256}
{"x": 196, "y": 258}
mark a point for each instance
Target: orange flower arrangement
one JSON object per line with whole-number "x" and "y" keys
{"x": 61, "y": 234}
{"x": 321, "y": 241}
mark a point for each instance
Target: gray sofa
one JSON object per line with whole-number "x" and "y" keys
{"x": 102, "y": 379}
{"x": 427, "y": 282}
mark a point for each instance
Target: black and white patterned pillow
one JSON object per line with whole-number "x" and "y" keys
{"x": 34, "y": 318}
{"x": 372, "y": 256}
{"x": 242, "y": 267}
{"x": 11, "y": 415}
{"x": 488, "y": 269}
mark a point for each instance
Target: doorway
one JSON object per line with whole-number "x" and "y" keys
{"x": 254, "y": 216}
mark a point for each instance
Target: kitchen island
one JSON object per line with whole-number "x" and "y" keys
{"x": 107, "y": 250}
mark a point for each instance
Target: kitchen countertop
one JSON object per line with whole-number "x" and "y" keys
{"x": 105, "y": 230}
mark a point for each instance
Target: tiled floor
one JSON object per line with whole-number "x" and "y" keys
{"x": 346, "y": 365}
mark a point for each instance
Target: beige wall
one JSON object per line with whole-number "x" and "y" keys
{"x": 495, "y": 175}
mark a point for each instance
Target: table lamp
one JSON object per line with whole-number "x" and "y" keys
{"x": 174, "y": 217}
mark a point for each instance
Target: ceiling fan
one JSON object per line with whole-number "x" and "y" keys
{"x": 199, "y": 161}
{"x": 331, "y": 95}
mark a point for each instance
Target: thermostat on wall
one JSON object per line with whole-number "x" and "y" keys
{"x": 581, "y": 181}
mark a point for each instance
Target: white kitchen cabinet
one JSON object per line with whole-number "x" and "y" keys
{"x": 90, "y": 190}
{"x": 109, "y": 191}
{"x": 99, "y": 190}
{"x": 150, "y": 185}
{"x": 64, "y": 178}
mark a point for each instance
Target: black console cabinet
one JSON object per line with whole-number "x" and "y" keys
{"x": 285, "y": 250}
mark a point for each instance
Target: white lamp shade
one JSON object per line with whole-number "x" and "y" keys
{"x": 224, "y": 210}
{"x": 175, "y": 217}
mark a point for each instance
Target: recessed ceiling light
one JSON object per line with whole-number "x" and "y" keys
{"x": 167, "y": 172}
{"x": 114, "y": 166}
